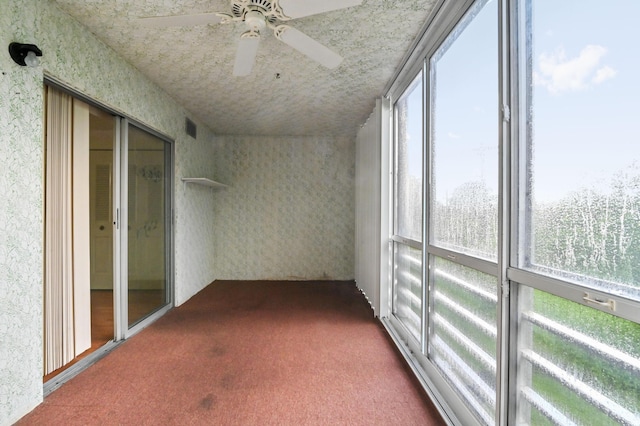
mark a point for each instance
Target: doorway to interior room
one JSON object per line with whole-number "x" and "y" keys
{"x": 107, "y": 233}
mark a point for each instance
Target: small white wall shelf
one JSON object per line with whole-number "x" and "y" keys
{"x": 204, "y": 181}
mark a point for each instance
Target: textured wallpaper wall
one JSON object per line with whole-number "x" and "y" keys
{"x": 21, "y": 110}
{"x": 194, "y": 216}
{"x": 289, "y": 210}
{"x": 75, "y": 57}
{"x": 288, "y": 214}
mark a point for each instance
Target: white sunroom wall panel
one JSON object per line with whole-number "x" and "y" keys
{"x": 368, "y": 162}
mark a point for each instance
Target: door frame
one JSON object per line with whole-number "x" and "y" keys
{"x": 120, "y": 272}
{"x": 121, "y": 253}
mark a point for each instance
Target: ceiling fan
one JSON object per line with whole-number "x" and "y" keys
{"x": 258, "y": 15}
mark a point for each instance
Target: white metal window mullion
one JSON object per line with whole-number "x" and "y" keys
{"x": 503, "y": 360}
{"x": 426, "y": 188}
{"x": 511, "y": 187}
{"x": 517, "y": 161}
{"x": 386, "y": 207}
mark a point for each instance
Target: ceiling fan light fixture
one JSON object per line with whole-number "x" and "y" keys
{"x": 255, "y": 21}
{"x": 257, "y": 15}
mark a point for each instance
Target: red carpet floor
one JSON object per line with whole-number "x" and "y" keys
{"x": 250, "y": 353}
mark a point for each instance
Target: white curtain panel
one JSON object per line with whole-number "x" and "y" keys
{"x": 58, "y": 291}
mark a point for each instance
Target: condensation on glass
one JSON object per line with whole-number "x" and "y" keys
{"x": 464, "y": 136}
{"x": 408, "y": 173}
{"x": 581, "y": 156}
{"x": 463, "y": 208}
{"x": 407, "y": 285}
{"x": 579, "y": 212}
{"x": 463, "y": 333}
{"x": 569, "y": 371}
{"x": 408, "y": 186}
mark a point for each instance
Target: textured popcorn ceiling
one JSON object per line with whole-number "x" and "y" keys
{"x": 194, "y": 64}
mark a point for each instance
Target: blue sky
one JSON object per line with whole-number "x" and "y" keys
{"x": 466, "y": 104}
{"x": 586, "y": 99}
{"x": 586, "y": 94}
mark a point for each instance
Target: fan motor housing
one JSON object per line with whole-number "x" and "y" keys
{"x": 243, "y": 8}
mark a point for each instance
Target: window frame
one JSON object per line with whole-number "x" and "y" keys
{"x": 518, "y": 80}
{"x": 564, "y": 287}
{"x": 445, "y": 17}
{"x": 513, "y": 145}
{"x": 396, "y": 239}
{"x": 495, "y": 268}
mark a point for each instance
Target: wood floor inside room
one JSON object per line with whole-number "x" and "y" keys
{"x": 141, "y": 304}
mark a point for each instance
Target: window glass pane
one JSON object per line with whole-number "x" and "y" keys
{"x": 463, "y": 333}
{"x": 583, "y": 157}
{"x": 407, "y": 288}
{"x": 409, "y": 119}
{"x": 464, "y": 114}
{"x": 576, "y": 364}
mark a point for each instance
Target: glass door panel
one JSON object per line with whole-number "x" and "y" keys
{"x": 102, "y": 139}
{"x": 147, "y": 224}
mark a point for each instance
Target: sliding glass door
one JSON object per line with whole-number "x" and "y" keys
{"x": 102, "y": 130}
{"x": 148, "y": 160}
{"x": 108, "y": 255}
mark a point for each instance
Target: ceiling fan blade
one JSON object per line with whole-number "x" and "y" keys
{"x": 299, "y": 8}
{"x": 180, "y": 20}
{"x": 308, "y": 46}
{"x": 246, "y": 54}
